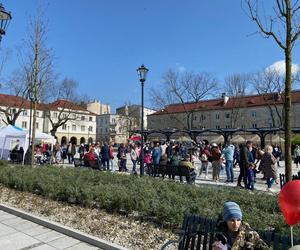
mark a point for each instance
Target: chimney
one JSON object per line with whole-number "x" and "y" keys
{"x": 225, "y": 98}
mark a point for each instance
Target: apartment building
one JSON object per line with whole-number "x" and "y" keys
{"x": 252, "y": 111}
{"x": 79, "y": 125}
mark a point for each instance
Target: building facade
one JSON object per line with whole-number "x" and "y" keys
{"x": 98, "y": 108}
{"x": 112, "y": 128}
{"x": 135, "y": 113}
{"x": 80, "y": 125}
{"x": 253, "y": 111}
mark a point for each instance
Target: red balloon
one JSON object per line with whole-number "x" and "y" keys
{"x": 289, "y": 200}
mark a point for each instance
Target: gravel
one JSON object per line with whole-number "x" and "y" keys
{"x": 123, "y": 230}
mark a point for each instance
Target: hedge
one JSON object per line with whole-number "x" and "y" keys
{"x": 163, "y": 202}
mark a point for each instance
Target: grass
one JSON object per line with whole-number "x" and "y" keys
{"x": 163, "y": 202}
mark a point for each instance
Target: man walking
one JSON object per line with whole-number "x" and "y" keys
{"x": 228, "y": 153}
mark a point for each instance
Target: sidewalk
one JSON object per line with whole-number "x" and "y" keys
{"x": 19, "y": 234}
{"x": 20, "y": 230}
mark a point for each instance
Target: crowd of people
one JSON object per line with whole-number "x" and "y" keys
{"x": 201, "y": 159}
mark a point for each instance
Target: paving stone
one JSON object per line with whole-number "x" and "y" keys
{"x": 37, "y": 230}
{"x": 5, "y": 230}
{"x": 45, "y": 247}
{"x": 49, "y": 236}
{"x": 6, "y": 216}
{"x": 25, "y": 225}
{"x": 13, "y": 221}
{"x": 64, "y": 242}
{"x": 16, "y": 241}
{"x": 83, "y": 246}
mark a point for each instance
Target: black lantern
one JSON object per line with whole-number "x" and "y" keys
{"x": 5, "y": 18}
{"x": 142, "y": 72}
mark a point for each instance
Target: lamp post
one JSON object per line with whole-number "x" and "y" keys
{"x": 5, "y": 18}
{"x": 142, "y": 73}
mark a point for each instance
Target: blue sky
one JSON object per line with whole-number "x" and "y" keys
{"x": 101, "y": 43}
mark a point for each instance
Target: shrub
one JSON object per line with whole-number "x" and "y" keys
{"x": 159, "y": 201}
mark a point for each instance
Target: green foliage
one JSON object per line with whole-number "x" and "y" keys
{"x": 296, "y": 139}
{"x": 163, "y": 202}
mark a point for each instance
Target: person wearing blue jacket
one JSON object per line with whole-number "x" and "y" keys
{"x": 228, "y": 153}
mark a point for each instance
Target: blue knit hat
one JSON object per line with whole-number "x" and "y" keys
{"x": 231, "y": 210}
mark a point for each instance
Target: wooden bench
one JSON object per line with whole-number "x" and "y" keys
{"x": 282, "y": 179}
{"x": 198, "y": 233}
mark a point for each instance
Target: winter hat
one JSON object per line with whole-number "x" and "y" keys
{"x": 231, "y": 210}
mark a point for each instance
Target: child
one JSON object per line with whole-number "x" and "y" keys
{"x": 251, "y": 171}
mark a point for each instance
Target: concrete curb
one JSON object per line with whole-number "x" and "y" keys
{"x": 63, "y": 229}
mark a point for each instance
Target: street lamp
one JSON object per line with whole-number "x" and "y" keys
{"x": 5, "y": 18}
{"x": 142, "y": 73}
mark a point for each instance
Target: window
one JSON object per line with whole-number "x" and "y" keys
{"x": 227, "y": 126}
{"x": 106, "y": 121}
{"x": 217, "y": 116}
{"x": 202, "y": 117}
{"x": 82, "y": 128}
{"x": 90, "y": 129}
{"x": 195, "y": 118}
{"x": 101, "y": 130}
{"x": 227, "y": 115}
{"x": 217, "y": 126}
{"x": 24, "y": 124}
{"x": 25, "y": 113}
{"x": 37, "y": 125}
{"x": 37, "y": 113}
{"x": 55, "y": 115}
{"x": 64, "y": 127}
{"x": 106, "y": 130}
{"x": 254, "y": 125}
{"x": 82, "y": 118}
{"x": 73, "y": 127}
{"x": 90, "y": 118}
{"x": 253, "y": 114}
{"x": 64, "y": 115}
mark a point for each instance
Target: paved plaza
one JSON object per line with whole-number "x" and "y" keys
{"x": 20, "y": 234}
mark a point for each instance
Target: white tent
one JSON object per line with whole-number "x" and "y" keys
{"x": 12, "y": 135}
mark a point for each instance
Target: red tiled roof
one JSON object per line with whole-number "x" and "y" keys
{"x": 233, "y": 102}
{"x": 16, "y": 102}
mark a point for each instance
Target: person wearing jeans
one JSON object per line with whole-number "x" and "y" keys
{"x": 228, "y": 153}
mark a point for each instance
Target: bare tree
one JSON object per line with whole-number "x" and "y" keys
{"x": 284, "y": 27}
{"x": 183, "y": 88}
{"x": 236, "y": 88}
{"x": 270, "y": 85}
{"x": 65, "y": 98}
{"x": 36, "y": 65}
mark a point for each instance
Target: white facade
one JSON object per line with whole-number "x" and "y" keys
{"x": 112, "y": 128}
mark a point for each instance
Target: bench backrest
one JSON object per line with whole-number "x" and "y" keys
{"x": 283, "y": 179}
{"x": 198, "y": 233}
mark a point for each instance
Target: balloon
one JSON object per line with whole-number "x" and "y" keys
{"x": 289, "y": 199}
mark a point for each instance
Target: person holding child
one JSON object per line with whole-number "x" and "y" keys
{"x": 235, "y": 234}
{"x": 268, "y": 167}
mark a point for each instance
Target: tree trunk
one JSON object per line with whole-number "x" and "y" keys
{"x": 287, "y": 94}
